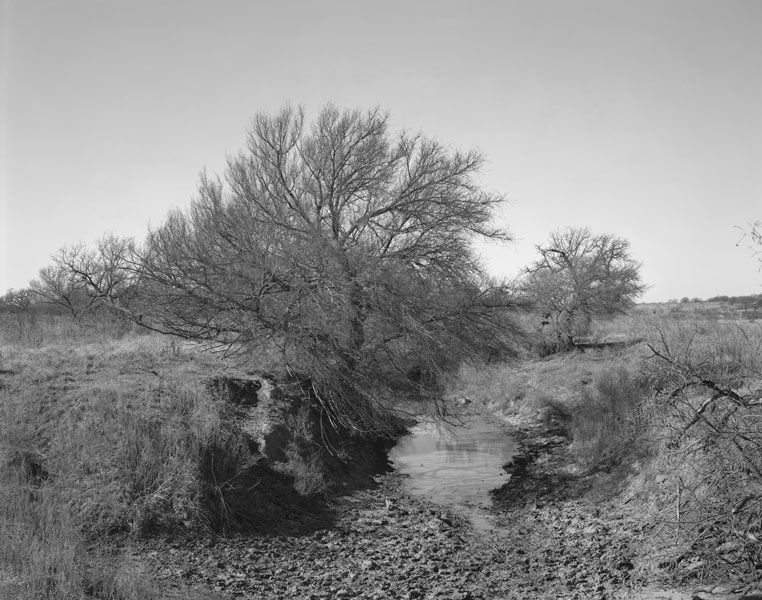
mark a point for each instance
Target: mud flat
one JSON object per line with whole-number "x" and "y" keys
{"x": 545, "y": 539}
{"x": 384, "y": 543}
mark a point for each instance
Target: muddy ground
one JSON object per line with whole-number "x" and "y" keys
{"x": 547, "y": 536}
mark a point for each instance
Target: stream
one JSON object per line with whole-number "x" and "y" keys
{"x": 455, "y": 465}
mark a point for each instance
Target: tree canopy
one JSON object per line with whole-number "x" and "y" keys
{"x": 344, "y": 248}
{"x": 578, "y": 276}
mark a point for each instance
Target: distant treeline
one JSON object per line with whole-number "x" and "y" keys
{"x": 25, "y": 300}
{"x": 750, "y": 301}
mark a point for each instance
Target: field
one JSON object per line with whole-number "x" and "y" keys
{"x": 110, "y": 438}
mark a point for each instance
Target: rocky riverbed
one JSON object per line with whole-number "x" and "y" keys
{"x": 544, "y": 538}
{"x": 386, "y": 544}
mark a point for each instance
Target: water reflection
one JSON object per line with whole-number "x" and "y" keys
{"x": 454, "y": 465}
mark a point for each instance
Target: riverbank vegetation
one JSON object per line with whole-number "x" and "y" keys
{"x": 249, "y": 360}
{"x": 342, "y": 248}
{"x": 114, "y": 430}
{"x": 662, "y": 408}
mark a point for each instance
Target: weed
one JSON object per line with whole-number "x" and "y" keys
{"x": 605, "y": 424}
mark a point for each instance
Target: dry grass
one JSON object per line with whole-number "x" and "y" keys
{"x": 104, "y": 437}
{"x": 525, "y": 389}
{"x": 607, "y": 424}
{"x": 36, "y": 328}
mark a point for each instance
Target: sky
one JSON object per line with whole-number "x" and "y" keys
{"x": 638, "y": 119}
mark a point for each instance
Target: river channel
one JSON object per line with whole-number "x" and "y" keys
{"x": 454, "y": 465}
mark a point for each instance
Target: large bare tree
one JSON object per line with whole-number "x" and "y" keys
{"x": 578, "y": 276}
{"x": 342, "y": 246}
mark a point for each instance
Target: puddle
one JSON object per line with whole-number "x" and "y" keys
{"x": 455, "y": 465}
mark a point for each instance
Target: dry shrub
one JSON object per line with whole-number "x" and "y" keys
{"x": 168, "y": 462}
{"x": 323, "y": 455}
{"x": 606, "y": 424}
{"x": 709, "y": 381}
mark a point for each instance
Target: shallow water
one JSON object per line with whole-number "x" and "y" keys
{"x": 454, "y": 465}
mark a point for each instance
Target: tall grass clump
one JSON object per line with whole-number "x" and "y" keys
{"x": 607, "y": 422}
{"x": 159, "y": 462}
{"x": 44, "y": 552}
{"x": 92, "y": 445}
{"x": 40, "y": 545}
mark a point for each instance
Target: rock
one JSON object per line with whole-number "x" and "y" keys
{"x": 730, "y": 546}
{"x": 720, "y": 590}
{"x": 368, "y": 565}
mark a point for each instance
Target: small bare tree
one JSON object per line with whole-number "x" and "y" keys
{"x": 343, "y": 247}
{"x": 81, "y": 279}
{"x": 579, "y": 276}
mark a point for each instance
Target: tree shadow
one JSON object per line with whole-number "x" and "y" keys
{"x": 266, "y": 502}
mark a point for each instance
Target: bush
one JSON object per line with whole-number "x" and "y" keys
{"x": 708, "y": 378}
{"x": 606, "y": 424}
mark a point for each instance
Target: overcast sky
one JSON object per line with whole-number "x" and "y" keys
{"x": 638, "y": 118}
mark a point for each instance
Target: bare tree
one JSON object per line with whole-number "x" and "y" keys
{"x": 754, "y": 233}
{"x": 346, "y": 249}
{"x": 579, "y": 276}
{"x": 81, "y": 279}
{"x": 16, "y": 300}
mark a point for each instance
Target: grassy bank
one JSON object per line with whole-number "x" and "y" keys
{"x": 662, "y": 409}
{"x": 107, "y": 438}
{"x": 99, "y": 438}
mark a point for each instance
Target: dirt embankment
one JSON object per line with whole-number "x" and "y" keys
{"x": 582, "y": 537}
